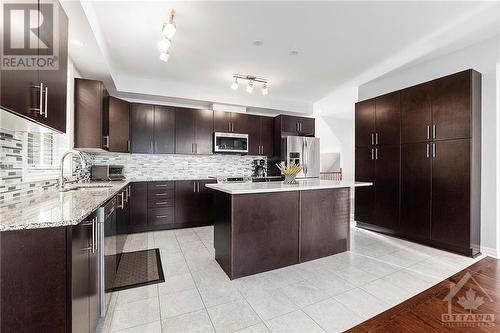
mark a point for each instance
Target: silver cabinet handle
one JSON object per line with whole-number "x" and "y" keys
{"x": 433, "y": 131}
{"x": 427, "y": 150}
{"x": 196, "y": 148}
{"x": 121, "y": 206}
{"x": 41, "y": 98}
{"x": 46, "y": 109}
{"x": 229, "y": 126}
{"x": 197, "y": 187}
{"x": 373, "y": 154}
{"x": 106, "y": 141}
{"x": 300, "y": 127}
{"x": 128, "y": 192}
{"x": 194, "y": 187}
{"x": 428, "y": 132}
{"x": 373, "y": 138}
{"x": 161, "y": 203}
{"x": 376, "y": 153}
{"x": 433, "y": 150}
{"x": 376, "y": 138}
{"x": 161, "y": 216}
{"x": 161, "y": 185}
{"x": 128, "y": 146}
{"x": 125, "y": 193}
{"x": 161, "y": 194}
{"x": 232, "y": 127}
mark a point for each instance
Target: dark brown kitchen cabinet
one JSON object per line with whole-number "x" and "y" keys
{"x": 364, "y": 120}
{"x": 193, "y": 131}
{"x": 387, "y": 119}
{"x": 230, "y": 122}
{"x": 416, "y": 190}
{"x": 119, "y": 125}
{"x": 84, "y": 276}
{"x": 253, "y": 131}
{"x": 141, "y": 128}
{"x": 387, "y": 164}
{"x": 293, "y": 125}
{"x": 123, "y": 217}
{"x": 164, "y": 130}
{"x": 416, "y": 117}
{"x": 451, "y": 98}
{"x": 266, "y": 136}
{"x": 451, "y": 206}
{"x": 440, "y": 164}
{"x": 189, "y": 194}
{"x": 161, "y": 203}
{"x": 40, "y": 95}
{"x": 138, "y": 206}
{"x": 91, "y": 115}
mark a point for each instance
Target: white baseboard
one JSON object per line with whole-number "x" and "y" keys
{"x": 488, "y": 251}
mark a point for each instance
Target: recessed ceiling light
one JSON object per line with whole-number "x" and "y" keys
{"x": 257, "y": 42}
{"x": 293, "y": 52}
{"x": 76, "y": 42}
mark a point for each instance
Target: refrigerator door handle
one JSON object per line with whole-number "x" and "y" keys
{"x": 305, "y": 156}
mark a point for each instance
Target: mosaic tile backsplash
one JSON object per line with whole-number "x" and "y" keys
{"x": 148, "y": 166}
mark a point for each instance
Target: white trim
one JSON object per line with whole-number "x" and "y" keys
{"x": 488, "y": 251}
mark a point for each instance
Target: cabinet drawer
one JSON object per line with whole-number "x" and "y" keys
{"x": 161, "y": 199}
{"x": 161, "y": 216}
{"x": 154, "y": 186}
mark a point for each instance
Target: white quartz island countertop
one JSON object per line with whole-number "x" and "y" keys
{"x": 303, "y": 185}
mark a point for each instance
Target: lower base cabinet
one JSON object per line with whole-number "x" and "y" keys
{"x": 162, "y": 205}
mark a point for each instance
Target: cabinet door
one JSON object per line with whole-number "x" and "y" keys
{"x": 289, "y": 124}
{"x": 88, "y": 114}
{"x": 222, "y": 121}
{"x": 204, "y": 131}
{"x": 387, "y": 186}
{"x": 364, "y": 119}
{"x": 19, "y": 92}
{"x": 253, "y": 131}
{"x": 364, "y": 198}
{"x": 451, "y": 193}
{"x": 267, "y": 135}
{"x": 306, "y": 126}
{"x": 119, "y": 125}
{"x": 451, "y": 106}
{"x": 55, "y": 81}
{"x": 239, "y": 122}
{"x": 164, "y": 130}
{"x": 185, "y": 201}
{"x": 94, "y": 311}
{"x": 416, "y": 190}
{"x": 387, "y": 119}
{"x": 141, "y": 128}
{"x": 138, "y": 204}
{"x": 80, "y": 307}
{"x": 416, "y": 114}
{"x": 205, "y": 201}
{"x": 184, "y": 131}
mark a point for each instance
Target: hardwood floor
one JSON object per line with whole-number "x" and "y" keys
{"x": 428, "y": 311}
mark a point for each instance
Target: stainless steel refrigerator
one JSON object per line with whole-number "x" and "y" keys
{"x": 304, "y": 151}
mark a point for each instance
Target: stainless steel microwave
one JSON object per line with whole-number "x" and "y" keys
{"x": 235, "y": 143}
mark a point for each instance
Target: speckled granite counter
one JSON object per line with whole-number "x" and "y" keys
{"x": 56, "y": 209}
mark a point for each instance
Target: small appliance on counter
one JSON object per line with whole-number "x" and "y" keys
{"x": 259, "y": 168}
{"x": 243, "y": 179}
{"x": 107, "y": 172}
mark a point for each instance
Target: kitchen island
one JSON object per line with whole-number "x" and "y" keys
{"x": 264, "y": 226}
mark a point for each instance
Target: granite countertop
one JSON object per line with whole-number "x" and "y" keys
{"x": 56, "y": 209}
{"x": 303, "y": 185}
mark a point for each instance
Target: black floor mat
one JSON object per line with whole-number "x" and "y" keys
{"x": 137, "y": 269}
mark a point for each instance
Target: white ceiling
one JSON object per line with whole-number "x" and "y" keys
{"x": 337, "y": 41}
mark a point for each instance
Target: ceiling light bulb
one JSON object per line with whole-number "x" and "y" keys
{"x": 164, "y": 44}
{"x": 265, "y": 91}
{"x": 169, "y": 30}
{"x": 234, "y": 86}
{"x": 164, "y": 56}
{"x": 250, "y": 87}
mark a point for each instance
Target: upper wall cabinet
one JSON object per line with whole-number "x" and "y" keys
{"x": 230, "y": 122}
{"x": 260, "y": 135}
{"x": 292, "y": 125}
{"x": 439, "y": 109}
{"x": 152, "y": 129}
{"x": 91, "y": 115}
{"x": 378, "y": 120}
{"x": 40, "y": 95}
{"x": 194, "y": 131}
{"x": 119, "y": 125}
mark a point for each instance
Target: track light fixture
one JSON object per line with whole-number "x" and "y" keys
{"x": 251, "y": 81}
{"x": 168, "y": 30}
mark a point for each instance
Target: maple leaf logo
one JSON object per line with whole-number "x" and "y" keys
{"x": 470, "y": 301}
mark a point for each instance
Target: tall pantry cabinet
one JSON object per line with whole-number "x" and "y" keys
{"x": 439, "y": 165}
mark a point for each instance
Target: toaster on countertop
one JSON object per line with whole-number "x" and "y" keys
{"x": 107, "y": 172}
